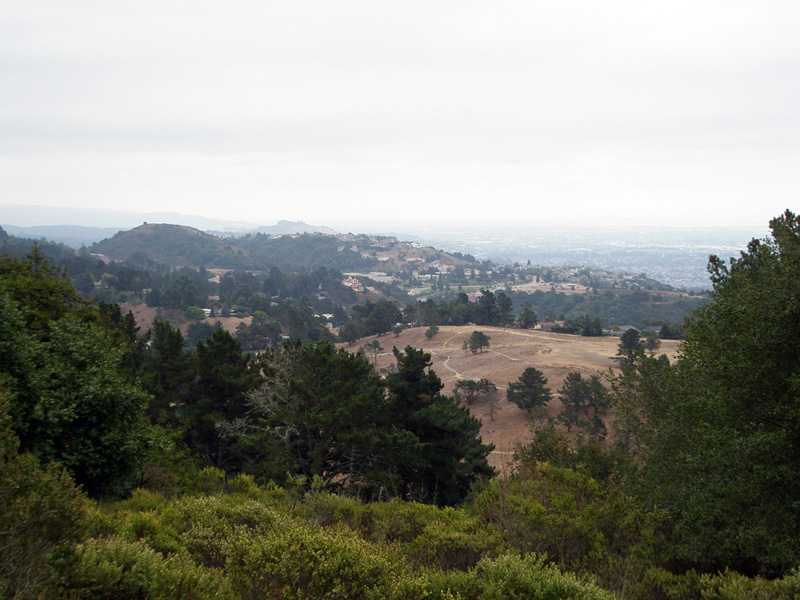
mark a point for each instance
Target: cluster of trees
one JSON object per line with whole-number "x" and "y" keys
{"x": 583, "y": 325}
{"x": 693, "y": 495}
{"x": 476, "y": 342}
{"x": 370, "y": 318}
{"x": 712, "y": 439}
{"x": 584, "y": 402}
{"x": 89, "y": 393}
{"x": 471, "y": 390}
{"x": 305, "y": 252}
{"x": 489, "y": 309}
{"x": 634, "y": 307}
{"x": 583, "y": 314}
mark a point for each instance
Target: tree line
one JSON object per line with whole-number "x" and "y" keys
{"x": 693, "y": 493}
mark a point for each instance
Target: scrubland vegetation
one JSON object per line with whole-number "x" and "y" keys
{"x": 133, "y": 467}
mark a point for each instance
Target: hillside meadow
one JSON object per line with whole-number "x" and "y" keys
{"x": 510, "y": 352}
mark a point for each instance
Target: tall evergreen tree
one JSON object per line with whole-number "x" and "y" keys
{"x": 325, "y": 413}
{"x": 224, "y": 375}
{"x": 529, "y": 391}
{"x": 167, "y": 372}
{"x": 724, "y": 449}
{"x": 450, "y": 455}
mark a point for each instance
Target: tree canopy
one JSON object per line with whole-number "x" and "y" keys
{"x": 72, "y": 397}
{"x": 326, "y": 413}
{"x": 529, "y": 391}
{"x": 724, "y": 445}
{"x": 451, "y": 455}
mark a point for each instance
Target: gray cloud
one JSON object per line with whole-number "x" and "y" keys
{"x": 264, "y": 110}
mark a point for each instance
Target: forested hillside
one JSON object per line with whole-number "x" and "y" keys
{"x": 133, "y": 466}
{"x": 176, "y": 245}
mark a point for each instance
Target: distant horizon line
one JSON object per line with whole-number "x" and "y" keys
{"x": 346, "y": 226}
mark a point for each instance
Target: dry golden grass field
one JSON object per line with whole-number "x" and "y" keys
{"x": 144, "y": 316}
{"x": 511, "y": 351}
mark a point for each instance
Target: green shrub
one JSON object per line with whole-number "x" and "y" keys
{"x": 577, "y": 523}
{"x": 194, "y": 312}
{"x": 42, "y": 515}
{"x": 305, "y": 561}
{"x": 171, "y": 470}
{"x": 142, "y": 500}
{"x": 244, "y": 484}
{"x": 207, "y": 525}
{"x": 428, "y": 536}
{"x": 511, "y": 577}
{"x": 212, "y": 480}
{"x": 553, "y": 511}
{"x": 724, "y": 586}
{"x": 112, "y": 568}
{"x": 149, "y": 528}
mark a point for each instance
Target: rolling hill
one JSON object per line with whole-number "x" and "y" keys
{"x": 510, "y": 353}
{"x": 176, "y": 245}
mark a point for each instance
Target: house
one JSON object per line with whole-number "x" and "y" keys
{"x": 353, "y": 283}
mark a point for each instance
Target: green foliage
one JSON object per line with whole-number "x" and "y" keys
{"x": 578, "y": 523}
{"x": 372, "y": 349}
{"x": 308, "y": 562}
{"x": 486, "y": 312}
{"x": 630, "y": 343}
{"x": 167, "y": 372}
{"x": 305, "y": 252}
{"x": 512, "y": 577}
{"x": 41, "y": 292}
{"x": 529, "y": 391}
{"x": 224, "y": 375}
{"x": 169, "y": 467}
{"x": 87, "y": 417}
{"x": 431, "y": 331}
{"x": 593, "y": 328}
{"x": 200, "y": 331}
{"x": 194, "y": 312}
{"x": 605, "y": 463}
{"x": 583, "y": 403}
{"x": 114, "y": 568}
{"x": 478, "y": 341}
{"x": 723, "y": 452}
{"x": 441, "y": 538}
{"x": 42, "y": 514}
{"x": 450, "y": 455}
{"x": 728, "y": 585}
{"x": 68, "y": 376}
{"x": 527, "y": 317}
{"x": 326, "y": 413}
{"x": 375, "y": 318}
{"x": 259, "y": 334}
{"x": 175, "y": 245}
{"x": 472, "y": 391}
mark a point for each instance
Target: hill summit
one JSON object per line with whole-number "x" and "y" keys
{"x": 174, "y": 245}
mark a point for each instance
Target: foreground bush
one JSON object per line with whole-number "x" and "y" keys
{"x": 303, "y": 561}
{"x": 577, "y": 523}
{"x": 116, "y": 569}
{"x": 42, "y": 516}
{"x": 512, "y": 577}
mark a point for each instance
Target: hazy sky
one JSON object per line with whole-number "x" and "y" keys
{"x": 343, "y": 111}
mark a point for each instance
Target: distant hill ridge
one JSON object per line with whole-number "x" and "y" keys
{"x": 291, "y": 227}
{"x": 180, "y": 245}
{"x": 177, "y": 245}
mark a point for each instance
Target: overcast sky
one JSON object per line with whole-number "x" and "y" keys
{"x": 341, "y": 112}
